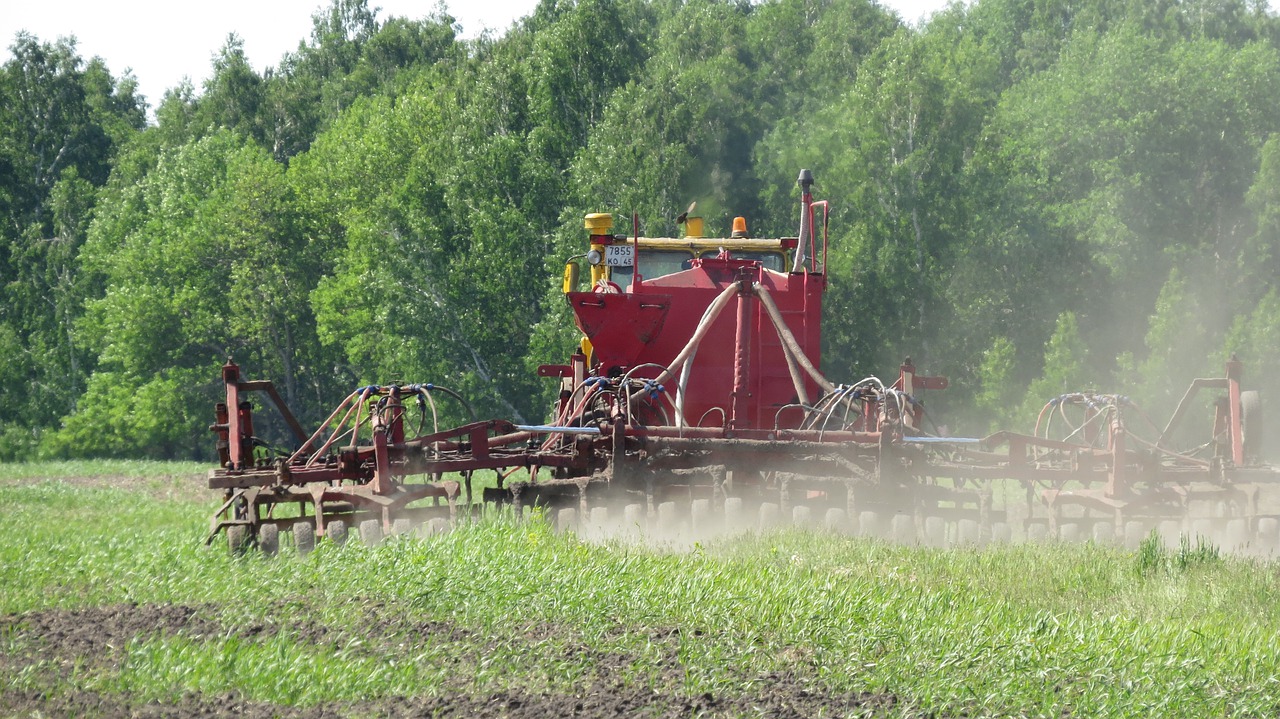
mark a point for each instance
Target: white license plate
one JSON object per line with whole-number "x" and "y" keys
{"x": 619, "y": 255}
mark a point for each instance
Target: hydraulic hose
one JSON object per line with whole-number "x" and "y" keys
{"x": 428, "y": 388}
{"x": 789, "y": 340}
{"x": 703, "y": 327}
{"x": 802, "y": 396}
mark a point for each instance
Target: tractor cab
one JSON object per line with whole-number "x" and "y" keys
{"x": 613, "y": 260}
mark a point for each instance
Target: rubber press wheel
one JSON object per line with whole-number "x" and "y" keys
{"x": 336, "y": 531}
{"x": 371, "y": 532}
{"x": 770, "y": 515}
{"x": 733, "y": 513}
{"x": 237, "y": 539}
{"x": 269, "y": 539}
{"x": 567, "y": 519}
{"x": 836, "y": 520}
{"x": 304, "y": 537}
{"x": 634, "y": 519}
{"x": 700, "y": 515}
{"x": 935, "y": 531}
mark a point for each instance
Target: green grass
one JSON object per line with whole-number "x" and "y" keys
{"x": 100, "y": 468}
{"x": 1032, "y": 630}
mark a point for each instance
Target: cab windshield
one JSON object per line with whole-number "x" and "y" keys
{"x": 770, "y": 260}
{"x": 659, "y": 263}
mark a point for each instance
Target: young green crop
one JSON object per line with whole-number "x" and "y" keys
{"x": 81, "y": 469}
{"x": 1034, "y": 630}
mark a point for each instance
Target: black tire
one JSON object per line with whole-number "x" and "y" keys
{"x": 269, "y": 539}
{"x": 1251, "y": 425}
{"x": 304, "y": 538}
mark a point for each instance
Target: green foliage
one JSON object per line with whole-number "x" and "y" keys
{"x": 1256, "y": 336}
{"x": 200, "y": 263}
{"x": 18, "y": 442}
{"x": 234, "y": 95}
{"x": 61, "y": 124}
{"x": 1065, "y": 366}
{"x": 1182, "y": 340}
{"x": 390, "y": 202}
{"x": 1133, "y": 146}
{"x": 904, "y": 131}
{"x": 189, "y": 474}
{"x": 999, "y": 394}
{"x": 418, "y": 292}
{"x": 1154, "y": 558}
{"x": 121, "y": 415}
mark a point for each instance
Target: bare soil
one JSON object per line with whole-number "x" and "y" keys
{"x": 49, "y": 644}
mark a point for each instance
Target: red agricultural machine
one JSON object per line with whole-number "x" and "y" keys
{"x": 695, "y": 404}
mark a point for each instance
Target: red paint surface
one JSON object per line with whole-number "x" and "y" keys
{"x": 653, "y": 322}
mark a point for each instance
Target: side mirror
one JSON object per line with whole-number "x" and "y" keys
{"x": 570, "y": 277}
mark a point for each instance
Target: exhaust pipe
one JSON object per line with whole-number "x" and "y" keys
{"x": 805, "y": 181}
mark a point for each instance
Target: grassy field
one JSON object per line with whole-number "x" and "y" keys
{"x": 108, "y": 592}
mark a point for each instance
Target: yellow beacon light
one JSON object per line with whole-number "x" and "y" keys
{"x": 598, "y": 223}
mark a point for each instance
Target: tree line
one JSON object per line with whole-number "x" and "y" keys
{"x": 1030, "y": 196}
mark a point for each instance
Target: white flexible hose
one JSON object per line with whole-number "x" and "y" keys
{"x": 709, "y": 317}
